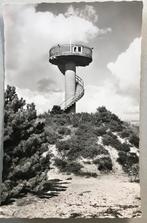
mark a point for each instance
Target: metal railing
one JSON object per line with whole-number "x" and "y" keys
{"x": 67, "y": 49}
{"x": 79, "y": 92}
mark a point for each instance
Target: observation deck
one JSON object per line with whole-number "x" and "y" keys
{"x": 79, "y": 54}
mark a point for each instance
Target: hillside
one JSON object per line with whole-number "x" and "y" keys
{"x": 100, "y": 141}
{"x": 46, "y": 155}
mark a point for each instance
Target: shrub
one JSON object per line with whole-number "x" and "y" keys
{"x": 83, "y": 143}
{"x": 56, "y": 110}
{"x": 104, "y": 116}
{"x": 73, "y": 167}
{"x": 134, "y": 173}
{"x": 114, "y": 125}
{"x": 60, "y": 163}
{"x": 134, "y": 140}
{"x": 127, "y": 160}
{"x": 64, "y": 131}
{"x": 125, "y": 133}
{"x": 87, "y": 174}
{"x": 90, "y": 152}
{"x": 63, "y": 145}
{"x": 75, "y": 122}
{"x": 125, "y": 147}
{"x": 102, "y": 150}
{"x": 112, "y": 141}
{"x": 107, "y": 139}
{"x": 122, "y": 158}
{"x": 100, "y": 131}
{"x": 104, "y": 164}
{"x": 68, "y": 166}
{"x": 112, "y": 135}
{"x": 51, "y": 136}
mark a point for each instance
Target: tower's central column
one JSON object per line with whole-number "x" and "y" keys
{"x": 70, "y": 85}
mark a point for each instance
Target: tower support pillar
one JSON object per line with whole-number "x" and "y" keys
{"x": 70, "y": 84}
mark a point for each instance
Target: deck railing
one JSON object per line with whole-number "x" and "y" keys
{"x": 68, "y": 49}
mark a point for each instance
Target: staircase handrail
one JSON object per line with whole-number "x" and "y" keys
{"x": 70, "y": 101}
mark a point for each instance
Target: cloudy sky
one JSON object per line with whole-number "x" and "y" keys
{"x": 113, "y": 29}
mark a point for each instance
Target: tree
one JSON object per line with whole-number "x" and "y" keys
{"x": 24, "y": 142}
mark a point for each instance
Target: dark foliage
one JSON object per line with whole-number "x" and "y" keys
{"x": 27, "y": 136}
{"x": 112, "y": 141}
{"x": 64, "y": 131}
{"x": 134, "y": 140}
{"x": 63, "y": 145}
{"x": 104, "y": 164}
{"x": 103, "y": 116}
{"x": 100, "y": 131}
{"x": 68, "y": 166}
{"x": 24, "y": 142}
{"x": 56, "y": 110}
{"x": 129, "y": 162}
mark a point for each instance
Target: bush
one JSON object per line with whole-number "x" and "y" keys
{"x": 134, "y": 173}
{"x": 104, "y": 116}
{"x": 127, "y": 160}
{"x": 134, "y": 140}
{"x": 112, "y": 141}
{"x": 64, "y": 131}
{"x": 56, "y": 110}
{"x": 122, "y": 158}
{"x": 87, "y": 174}
{"x": 114, "y": 125}
{"x": 73, "y": 167}
{"x": 112, "y": 135}
{"x": 100, "y": 131}
{"x": 63, "y": 145}
{"x": 90, "y": 152}
{"x": 60, "y": 163}
{"x": 125, "y": 147}
{"x": 68, "y": 166}
{"x": 107, "y": 140}
{"x": 51, "y": 136}
{"x": 104, "y": 164}
{"x": 125, "y": 133}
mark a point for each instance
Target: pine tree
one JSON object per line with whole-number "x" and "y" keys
{"x": 24, "y": 167}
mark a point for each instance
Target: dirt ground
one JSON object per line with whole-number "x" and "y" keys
{"x": 105, "y": 196}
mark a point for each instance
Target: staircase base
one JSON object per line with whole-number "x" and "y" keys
{"x": 71, "y": 109}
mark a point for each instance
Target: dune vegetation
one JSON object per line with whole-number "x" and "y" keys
{"x": 80, "y": 139}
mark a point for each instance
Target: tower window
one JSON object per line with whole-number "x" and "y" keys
{"x": 79, "y": 49}
{"x": 75, "y": 49}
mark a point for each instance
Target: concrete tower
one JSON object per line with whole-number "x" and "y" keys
{"x": 67, "y": 57}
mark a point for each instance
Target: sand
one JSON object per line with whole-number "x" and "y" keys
{"x": 105, "y": 196}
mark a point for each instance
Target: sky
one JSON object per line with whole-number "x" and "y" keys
{"x": 113, "y": 29}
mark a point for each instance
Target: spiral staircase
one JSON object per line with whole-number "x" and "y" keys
{"x": 79, "y": 91}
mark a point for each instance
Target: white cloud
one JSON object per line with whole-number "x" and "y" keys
{"x": 106, "y": 96}
{"x": 126, "y": 70}
{"x": 120, "y": 95}
{"x": 29, "y": 35}
{"x": 88, "y": 13}
{"x": 43, "y": 102}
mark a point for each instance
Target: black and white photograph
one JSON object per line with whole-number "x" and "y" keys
{"x": 71, "y": 110}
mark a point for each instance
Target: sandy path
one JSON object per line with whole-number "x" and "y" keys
{"x": 104, "y": 196}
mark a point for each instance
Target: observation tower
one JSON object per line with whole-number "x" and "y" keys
{"x": 67, "y": 57}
